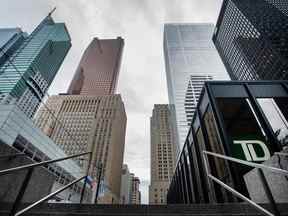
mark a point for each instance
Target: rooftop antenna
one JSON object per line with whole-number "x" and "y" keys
{"x": 52, "y": 11}
{"x": 44, "y": 21}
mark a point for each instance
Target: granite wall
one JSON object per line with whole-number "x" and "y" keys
{"x": 278, "y": 183}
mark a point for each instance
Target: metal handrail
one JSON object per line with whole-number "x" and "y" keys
{"x": 29, "y": 166}
{"x": 232, "y": 190}
{"x": 281, "y": 154}
{"x": 26, "y": 180}
{"x": 251, "y": 164}
{"x": 48, "y": 196}
{"x": 262, "y": 177}
{"x": 11, "y": 155}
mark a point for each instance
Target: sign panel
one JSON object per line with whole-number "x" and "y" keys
{"x": 251, "y": 150}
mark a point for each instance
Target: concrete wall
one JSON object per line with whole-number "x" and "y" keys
{"x": 40, "y": 184}
{"x": 158, "y": 192}
{"x": 278, "y": 183}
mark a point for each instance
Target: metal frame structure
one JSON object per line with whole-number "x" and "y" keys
{"x": 202, "y": 190}
{"x": 260, "y": 168}
{"x": 27, "y": 178}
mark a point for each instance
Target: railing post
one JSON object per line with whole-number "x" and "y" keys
{"x": 210, "y": 182}
{"x": 268, "y": 192}
{"x": 21, "y": 192}
{"x": 83, "y": 190}
{"x": 98, "y": 183}
{"x": 85, "y": 180}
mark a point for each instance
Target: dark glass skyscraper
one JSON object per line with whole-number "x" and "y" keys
{"x": 98, "y": 70}
{"x": 29, "y": 68}
{"x": 251, "y": 38}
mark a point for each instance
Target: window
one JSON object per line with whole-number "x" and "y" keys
{"x": 215, "y": 144}
{"x": 50, "y": 48}
{"x": 243, "y": 126}
{"x": 276, "y": 112}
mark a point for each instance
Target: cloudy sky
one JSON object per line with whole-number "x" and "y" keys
{"x": 142, "y": 81}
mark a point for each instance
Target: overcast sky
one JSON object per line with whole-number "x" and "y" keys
{"x": 142, "y": 80}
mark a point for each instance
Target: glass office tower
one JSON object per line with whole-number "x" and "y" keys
{"x": 190, "y": 60}
{"x": 251, "y": 38}
{"x": 10, "y": 41}
{"x": 28, "y": 72}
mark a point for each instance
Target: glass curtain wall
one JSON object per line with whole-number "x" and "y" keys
{"x": 244, "y": 120}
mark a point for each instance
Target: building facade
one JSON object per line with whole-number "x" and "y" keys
{"x": 163, "y": 153}
{"x": 242, "y": 120}
{"x": 98, "y": 70}
{"x": 126, "y": 185}
{"x": 190, "y": 59}
{"x": 80, "y": 123}
{"x": 10, "y": 40}
{"x": 251, "y": 38}
{"x": 130, "y": 193}
{"x": 28, "y": 72}
{"x": 135, "y": 192}
{"x": 18, "y": 134}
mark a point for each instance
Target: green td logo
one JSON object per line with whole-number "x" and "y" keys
{"x": 254, "y": 150}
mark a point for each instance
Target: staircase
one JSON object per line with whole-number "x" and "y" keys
{"x": 55, "y": 209}
{"x": 40, "y": 207}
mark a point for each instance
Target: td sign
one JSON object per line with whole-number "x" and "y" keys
{"x": 251, "y": 150}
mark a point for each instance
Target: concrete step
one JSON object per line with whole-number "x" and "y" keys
{"x": 233, "y": 209}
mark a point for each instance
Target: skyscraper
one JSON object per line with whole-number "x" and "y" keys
{"x": 10, "y": 40}
{"x": 251, "y": 38}
{"x": 126, "y": 185}
{"x": 130, "y": 193}
{"x": 190, "y": 59}
{"x": 82, "y": 123}
{"x": 163, "y": 153}
{"x": 98, "y": 70}
{"x": 135, "y": 193}
{"x": 91, "y": 117}
{"x": 28, "y": 72}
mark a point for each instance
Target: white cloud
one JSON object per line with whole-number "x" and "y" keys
{"x": 142, "y": 79}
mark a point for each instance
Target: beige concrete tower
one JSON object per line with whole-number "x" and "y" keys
{"x": 163, "y": 153}
{"x": 89, "y": 123}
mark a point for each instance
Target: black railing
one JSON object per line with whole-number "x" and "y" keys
{"x": 30, "y": 167}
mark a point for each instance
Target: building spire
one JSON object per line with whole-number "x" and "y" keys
{"x": 52, "y": 11}
{"x": 47, "y": 20}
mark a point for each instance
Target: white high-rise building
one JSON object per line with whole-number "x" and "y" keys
{"x": 126, "y": 185}
{"x": 130, "y": 193}
{"x": 190, "y": 60}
